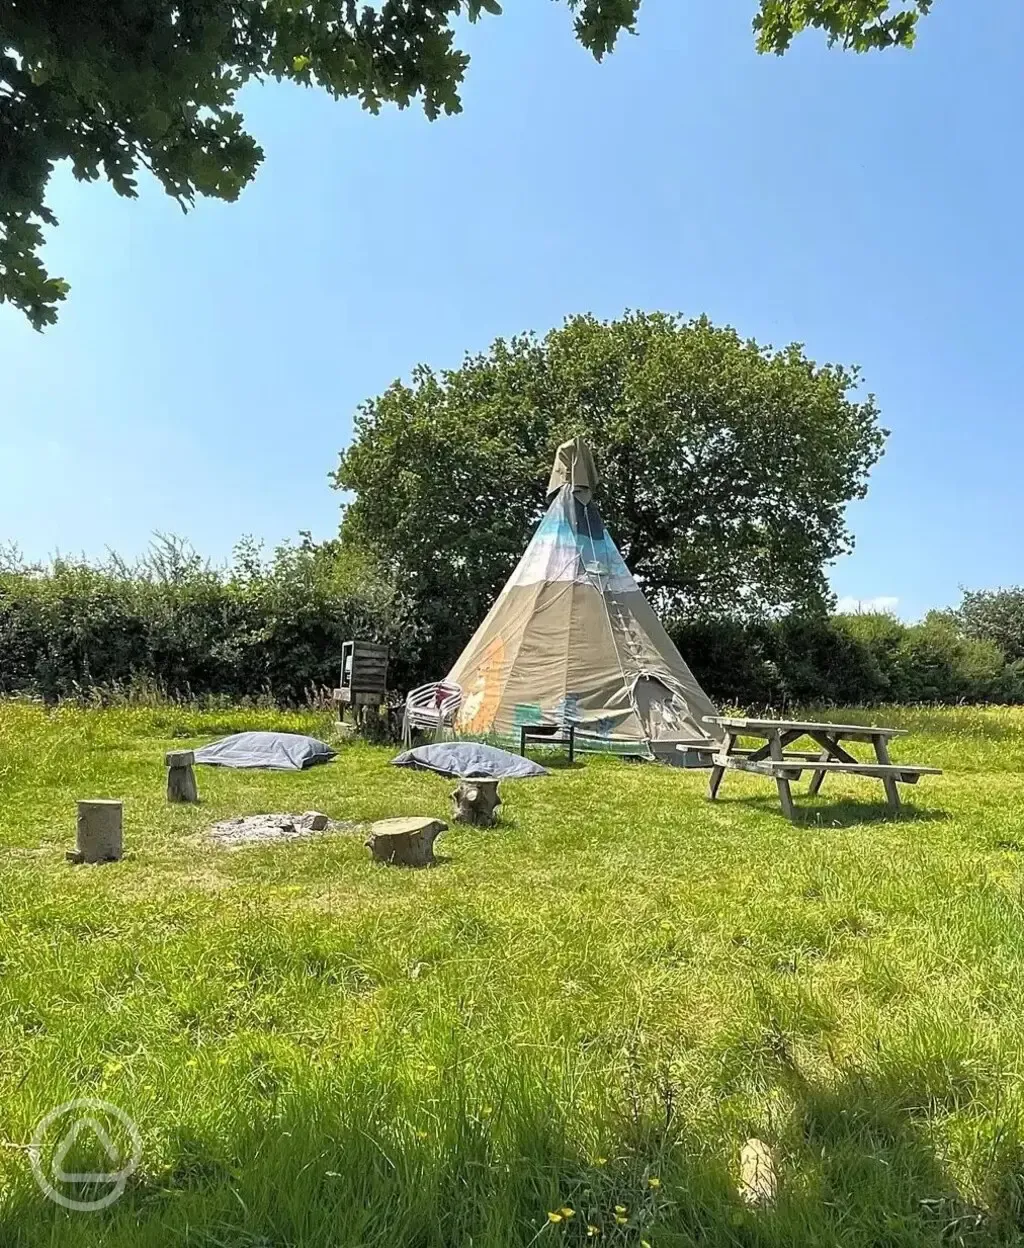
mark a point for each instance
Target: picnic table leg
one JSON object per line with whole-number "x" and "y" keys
{"x": 522, "y": 741}
{"x": 785, "y": 792}
{"x": 892, "y": 793}
{"x": 715, "y": 779}
{"x": 831, "y": 751}
{"x": 572, "y": 742}
{"x": 819, "y": 776}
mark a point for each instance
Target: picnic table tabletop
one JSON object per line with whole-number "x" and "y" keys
{"x": 762, "y": 727}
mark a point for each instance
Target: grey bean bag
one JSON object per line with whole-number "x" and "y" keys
{"x": 275, "y": 751}
{"x": 469, "y": 760}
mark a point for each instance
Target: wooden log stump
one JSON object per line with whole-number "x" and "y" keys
{"x": 181, "y": 779}
{"x": 405, "y": 842}
{"x": 99, "y": 829}
{"x": 476, "y": 802}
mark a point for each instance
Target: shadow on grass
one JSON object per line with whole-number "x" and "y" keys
{"x": 361, "y": 1166}
{"x": 840, "y": 814}
{"x": 866, "y": 1149}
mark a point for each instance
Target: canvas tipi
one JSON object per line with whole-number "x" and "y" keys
{"x": 572, "y": 638}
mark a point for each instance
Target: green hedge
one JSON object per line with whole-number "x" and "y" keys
{"x": 274, "y": 628}
{"x": 848, "y": 659}
{"x": 269, "y": 628}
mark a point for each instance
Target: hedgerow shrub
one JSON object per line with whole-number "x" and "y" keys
{"x": 847, "y": 659}
{"x": 260, "y": 627}
{"x": 272, "y": 627}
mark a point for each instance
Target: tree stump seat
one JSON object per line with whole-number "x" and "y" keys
{"x": 405, "y": 842}
{"x": 181, "y": 779}
{"x": 476, "y": 802}
{"x": 99, "y": 831}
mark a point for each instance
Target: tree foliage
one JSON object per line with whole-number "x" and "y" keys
{"x": 995, "y": 615}
{"x": 859, "y": 25}
{"x": 112, "y": 85}
{"x": 726, "y": 466}
{"x": 115, "y": 85}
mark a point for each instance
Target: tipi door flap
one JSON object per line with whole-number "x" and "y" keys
{"x": 660, "y": 703}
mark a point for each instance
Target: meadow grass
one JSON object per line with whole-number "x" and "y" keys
{"x": 589, "y": 1008}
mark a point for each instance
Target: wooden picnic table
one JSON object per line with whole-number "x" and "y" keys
{"x": 776, "y": 760}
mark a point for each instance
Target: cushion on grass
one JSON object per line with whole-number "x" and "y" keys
{"x": 276, "y": 751}
{"x": 469, "y": 760}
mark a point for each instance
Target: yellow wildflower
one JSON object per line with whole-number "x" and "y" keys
{"x": 621, "y": 1219}
{"x": 654, "y": 1182}
{"x": 567, "y": 1213}
{"x": 600, "y": 1161}
{"x": 592, "y": 1231}
{"x": 554, "y": 1217}
{"x": 621, "y": 1209}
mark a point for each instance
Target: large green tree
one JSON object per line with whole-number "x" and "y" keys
{"x": 726, "y": 466}
{"x": 118, "y": 85}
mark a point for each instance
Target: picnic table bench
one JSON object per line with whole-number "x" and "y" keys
{"x": 775, "y": 760}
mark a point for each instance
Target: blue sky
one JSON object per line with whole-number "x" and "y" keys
{"x": 206, "y": 368}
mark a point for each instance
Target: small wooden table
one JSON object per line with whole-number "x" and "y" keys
{"x": 773, "y": 760}
{"x": 554, "y": 734}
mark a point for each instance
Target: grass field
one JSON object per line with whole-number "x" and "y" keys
{"x": 588, "y": 1009}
